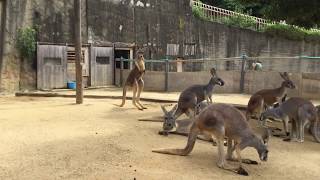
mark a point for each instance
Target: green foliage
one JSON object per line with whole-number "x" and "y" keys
{"x": 292, "y": 32}
{"x": 26, "y": 42}
{"x": 312, "y": 35}
{"x": 236, "y": 20}
{"x": 199, "y": 13}
{"x": 240, "y": 21}
{"x": 301, "y": 13}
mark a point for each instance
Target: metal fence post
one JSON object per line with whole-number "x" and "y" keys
{"x": 121, "y": 71}
{"x": 166, "y": 74}
{"x": 243, "y": 71}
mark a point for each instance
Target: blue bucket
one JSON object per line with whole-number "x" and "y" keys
{"x": 71, "y": 85}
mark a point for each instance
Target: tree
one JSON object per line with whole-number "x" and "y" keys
{"x": 296, "y": 12}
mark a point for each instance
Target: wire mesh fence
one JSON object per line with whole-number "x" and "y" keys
{"x": 278, "y": 64}
{"x": 244, "y": 74}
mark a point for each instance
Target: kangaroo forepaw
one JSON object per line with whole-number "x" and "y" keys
{"x": 287, "y": 139}
{"x": 276, "y": 135}
{"x": 300, "y": 140}
{"x": 164, "y": 133}
{"x": 242, "y": 171}
{"x": 249, "y": 161}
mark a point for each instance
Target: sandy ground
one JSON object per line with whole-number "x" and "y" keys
{"x": 239, "y": 99}
{"x": 52, "y": 138}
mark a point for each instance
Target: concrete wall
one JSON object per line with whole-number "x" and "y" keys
{"x": 308, "y": 84}
{"x": 161, "y": 26}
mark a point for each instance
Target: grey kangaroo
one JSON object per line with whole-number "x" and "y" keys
{"x": 301, "y": 112}
{"x": 183, "y": 126}
{"x": 188, "y": 100}
{"x": 224, "y": 121}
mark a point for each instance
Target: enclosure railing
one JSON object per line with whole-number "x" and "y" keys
{"x": 242, "y": 64}
{"x": 215, "y": 13}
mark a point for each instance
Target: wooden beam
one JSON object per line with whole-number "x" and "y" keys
{"x": 78, "y": 45}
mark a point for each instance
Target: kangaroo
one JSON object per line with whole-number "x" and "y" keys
{"x": 188, "y": 100}
{"x": 222, "y": 120}
{"x": 267, "y": 97}
{"x": 183, "y": 126}
{"x": 135, "y": 81}
{"x": 301, "y": 112}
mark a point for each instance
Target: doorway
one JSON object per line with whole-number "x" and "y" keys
{"x": 125, "y": 54}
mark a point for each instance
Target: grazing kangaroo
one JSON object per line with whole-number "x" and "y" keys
{"x": 267, "y": 97}
{"x": 301, "y": 112}
{"x": 183, "y": 126}
{"x": 220, "y": 121}
{"x": 135, "y": 81}
{"x": 188, "y": 100}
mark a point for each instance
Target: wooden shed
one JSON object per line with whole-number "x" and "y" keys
{"x": 56, "y": 65}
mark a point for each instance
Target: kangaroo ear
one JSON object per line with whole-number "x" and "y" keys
{"x": 164, "y": 109}
{"x": 284, "y": 76}
{"x": 175, "y": 107}
{"x": 213, "y": 72}
{"x": 266, "y": 135}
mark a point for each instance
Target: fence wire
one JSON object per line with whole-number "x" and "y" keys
{"x": 267, "y": 64}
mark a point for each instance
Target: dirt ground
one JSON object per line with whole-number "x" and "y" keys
{"x": 52, "y": 138}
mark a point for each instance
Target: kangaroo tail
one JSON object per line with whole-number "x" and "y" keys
{"x": 255, "y": 102}
{"x": 194, "y": 131}
{"x": 315, "y": 129}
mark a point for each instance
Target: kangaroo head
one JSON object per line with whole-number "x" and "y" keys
{"x": 287, "y": 82}
{"x": 215, "y": 79}
{"x": 169, "y": 118}
{"x": 140, "y": 55}
{"x": 200, "y": 106}
{"x": 262, "y": 147}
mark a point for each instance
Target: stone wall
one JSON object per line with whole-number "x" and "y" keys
{"x": 163, "y": 27}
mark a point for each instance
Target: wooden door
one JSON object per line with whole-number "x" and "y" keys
{"x": 102, "y": 66}
{"x": 51, "y": 66}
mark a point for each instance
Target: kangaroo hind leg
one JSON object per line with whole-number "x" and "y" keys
{"x": 124, "y": 93}
{"x": 134, "y": 98}
{"x": 140, "y": 89}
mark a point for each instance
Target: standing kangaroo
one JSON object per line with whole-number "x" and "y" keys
{"x": 220, "y": 121}
{"x": 188, "y": 100}
{"x": 301, "y": 112}
{"x": 267, "y": 97}
{"x": 135, "y": 81}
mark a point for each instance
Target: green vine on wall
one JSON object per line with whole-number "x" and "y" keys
{"x": 26, "y": 42}
{"x": 278, "y": 30}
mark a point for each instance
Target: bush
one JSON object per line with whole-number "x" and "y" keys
{"x": 280, "y": 30}
{"x": 240, "y": 21}
{"x": 292, "y": 32}
{"x": 312, "y": 35}
{"x": 199, "y": 13}
{"x": 26, "y": 42}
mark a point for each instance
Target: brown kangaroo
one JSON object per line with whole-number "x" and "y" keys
{"x": 135, "y": 81}
{"x": 224, "y": 121}
{"x": 267, "y": 97}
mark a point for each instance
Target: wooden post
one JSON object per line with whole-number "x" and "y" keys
{"x": 243, "y": 64}
{"x": 121, "y": 71}
{"x": 78, "y": 45}
{"x": 166, "y": 86}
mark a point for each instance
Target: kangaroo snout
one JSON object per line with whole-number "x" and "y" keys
{"x": 221, "y": 82}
